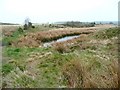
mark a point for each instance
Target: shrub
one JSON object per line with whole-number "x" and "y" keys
{"x": 33, "y": 26}
{"x": 20, "y": 29}
{"x": 25, "y": 27}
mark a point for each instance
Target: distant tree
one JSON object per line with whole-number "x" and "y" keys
{"x": 72, "y": 23}
{"x": 25, "y": 27}
{"x": 27, "y": 20}
{"x": 50, "y": 25}
{"x": 110, "y": 22}
{"x": 20, "y": 29}
{"x": 33, "y": 26}
{"x": 94, "y": 23}
{"x": 28, "y": 24}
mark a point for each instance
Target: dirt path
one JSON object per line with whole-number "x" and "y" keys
{"x": 32, "y": 62}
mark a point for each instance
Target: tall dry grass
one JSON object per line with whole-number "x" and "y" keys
{"x": 66, "y": 46}
{"x": 61, "y": 47}
{"x": 76, "y": 75}
{"x": 45, "y": 36}
{"x": 8, "y": 30}
{"x": 73, "y": 73}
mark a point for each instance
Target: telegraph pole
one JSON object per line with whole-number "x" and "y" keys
{"x": 119, "y": 45}
{"x": 119, "y": 13}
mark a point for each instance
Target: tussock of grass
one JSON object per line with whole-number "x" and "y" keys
{"x": 73, "y": 73}
{"x": 61, "y": 47}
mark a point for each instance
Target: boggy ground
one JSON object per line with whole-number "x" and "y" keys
{"x": 38, "y": 38}
{"x": 89, "y": 61}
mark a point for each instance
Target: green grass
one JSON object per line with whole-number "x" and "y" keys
{"x": 7, "y": 68}
{"x": 25, "y": 81}
{"x": 107, "y": 34}
{"x": 15, "y": 35}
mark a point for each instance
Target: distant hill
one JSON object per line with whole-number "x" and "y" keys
{"x": 77, "y": 24}
{"x": 1, "y": 23}
{"x": 97, "y": 22}
{"x": 60, "y": 22}
{"x": 107, "y": 22}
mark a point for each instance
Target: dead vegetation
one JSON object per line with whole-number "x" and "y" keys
{"x": 78, "y": 75}
{"x": 66, "y": 46}
{"x": 61, "y": 47}
{"x": 8, "y": 30}
{"x": 46, "y": 36}
{"x": 73, "y": 73}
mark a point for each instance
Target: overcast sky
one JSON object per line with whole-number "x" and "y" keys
{"x": 43, "y": 11}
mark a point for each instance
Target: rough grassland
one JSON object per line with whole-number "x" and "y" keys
{"x": 89, "y": 61}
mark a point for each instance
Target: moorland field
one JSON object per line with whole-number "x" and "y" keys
{"x": 87, "y": 61}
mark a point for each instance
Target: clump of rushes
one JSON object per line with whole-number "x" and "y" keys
{"x": 73, "y": 74}
{"x": 61, "y": 47}
{"x": 114, "y": 72}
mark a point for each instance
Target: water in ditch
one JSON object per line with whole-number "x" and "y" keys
{"x": 47, "y": 44}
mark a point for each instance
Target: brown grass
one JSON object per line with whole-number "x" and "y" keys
{"x": 61, "y": 47}
{"x": 66, "y": 45}
{"x": 73, "y": 73}
{"x": 8, "y": 30}
{"x": 45, "y": 36}
{"x": 77, "y": 76}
